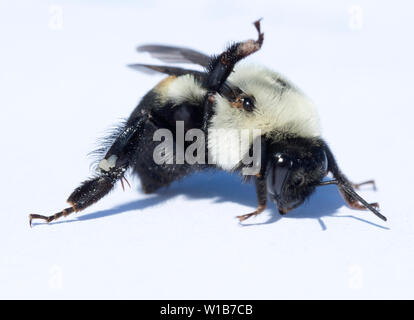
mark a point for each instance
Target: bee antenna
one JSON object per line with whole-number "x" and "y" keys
{"x": 355, "y": 195}
{"x": 347, "y": 189}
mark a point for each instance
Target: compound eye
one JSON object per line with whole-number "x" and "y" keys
{"x": 248, "y": 104}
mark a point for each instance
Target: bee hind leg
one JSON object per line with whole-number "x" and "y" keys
{"x": 85, "y": 195}
{"x": 111, "y": 169}
{"x": 48, "y": 219}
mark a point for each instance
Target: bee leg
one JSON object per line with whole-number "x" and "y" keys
{"x": 358, "y": 185}
{"x": 111, "y": 169}
{"x": 261, "y": 192}
{"x": 347, "y": 188}
{"x": 222, "y": 66}
{"x": 259, "y": 210}
{"x": 350, "y": 200}
{"x": 353, "y": 203}
{"x": 48, "y": 219}
{"x": 88, "y": 193}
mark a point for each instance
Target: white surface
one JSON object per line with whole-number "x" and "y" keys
{"x": 61, "y": 88}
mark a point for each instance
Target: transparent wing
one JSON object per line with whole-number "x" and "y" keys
{"x": 173, "y": 71}
{"x": 171, "y": 54}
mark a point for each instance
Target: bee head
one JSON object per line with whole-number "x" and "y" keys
{"x": 293, "y": 174}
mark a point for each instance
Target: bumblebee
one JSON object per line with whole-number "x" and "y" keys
{"x": 293, "y": 159}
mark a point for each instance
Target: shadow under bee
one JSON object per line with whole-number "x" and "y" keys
{"x": 224, "y": 187}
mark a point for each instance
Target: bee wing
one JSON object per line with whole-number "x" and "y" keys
{"x": 173, "y": 71}
{"x": 170, "y": 54}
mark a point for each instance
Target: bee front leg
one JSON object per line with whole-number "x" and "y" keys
{"x": 358, "y": 185}
{"x": 347, "y": 188}
{"x": 354, "y": 203}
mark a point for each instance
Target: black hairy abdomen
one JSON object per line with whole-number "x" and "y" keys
{"x": 154, "y": 176}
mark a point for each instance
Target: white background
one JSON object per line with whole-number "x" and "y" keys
{"x": 63, "y": 82}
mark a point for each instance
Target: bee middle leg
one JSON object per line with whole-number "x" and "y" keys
{"x": 261, "y": 191}
{"x": 220, "y": 68}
